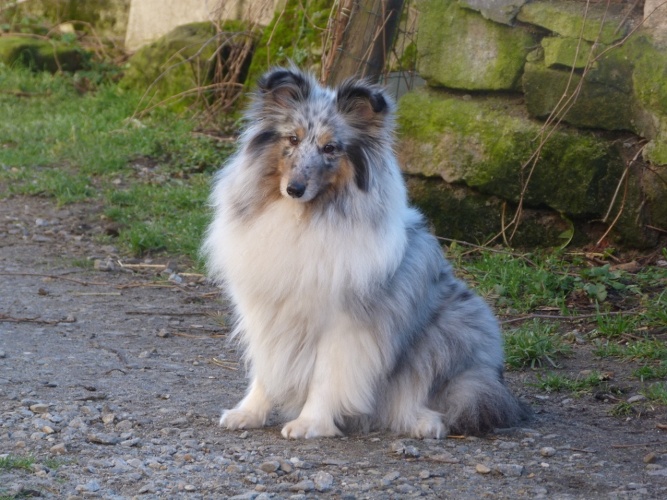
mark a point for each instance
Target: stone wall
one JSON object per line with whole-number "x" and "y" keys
{"x": 501, "y": 73}
{"x": 151, "y": 19}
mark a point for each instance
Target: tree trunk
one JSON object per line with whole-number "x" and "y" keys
{"x": 367, "y": 40}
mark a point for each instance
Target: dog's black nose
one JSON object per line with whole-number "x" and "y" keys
{"x": 296, "y": 189}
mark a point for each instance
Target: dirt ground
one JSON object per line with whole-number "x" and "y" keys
{"x": 113, "y": 376}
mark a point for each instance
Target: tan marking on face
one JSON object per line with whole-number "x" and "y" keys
{"x": 341, "y": 176}
{"x": 325, "y": 138}
{"x": 269, "y": 182}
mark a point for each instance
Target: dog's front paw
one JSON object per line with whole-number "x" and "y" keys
{"x": 309, "y": 428}
{"x": 240, "y": 419}
{"x": 429, "y": 425}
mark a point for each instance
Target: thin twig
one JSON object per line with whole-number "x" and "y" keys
{"x": 58, "y": 277}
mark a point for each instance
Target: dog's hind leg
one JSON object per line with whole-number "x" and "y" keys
{"x": 344, "y": 378}
{"x": 251, "y": 412}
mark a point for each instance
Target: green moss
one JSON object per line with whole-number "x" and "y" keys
{"x": 174, "y": 68}
{"x": 568, "y": 52}
{"x": 601, "y": 22}
{"x": 463, "y": 214}
{"x": 599, "y": 104}
{"x": 41, "y": 54}
{"x": 460, "y": 49}
{"x": 485, "y": 144}
{"x": 99, "y": 17}
{"x": 650, "y": 73}
{"x": 295, "y": 34}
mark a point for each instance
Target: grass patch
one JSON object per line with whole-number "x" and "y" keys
{"x": 516, "y": 285}
{"x": 651, "y": 372}
{"x": 554, "y": 382}
{"x": 11, "y": 462}
{"x": 533, "y": 344}
{"x": 656, "y": 393}
{"x": 151, "y": 176}
{"x": 643, "y": 349}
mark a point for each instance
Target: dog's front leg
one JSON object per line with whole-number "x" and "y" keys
{"x": 251, "y": 412}
{"x": 346, "y": 369}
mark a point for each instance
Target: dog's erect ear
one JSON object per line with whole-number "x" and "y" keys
{"x": 284, "y": 86}
{"x": 363, "y": 104}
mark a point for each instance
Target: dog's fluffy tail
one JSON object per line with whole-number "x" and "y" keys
{"x": 478, "y": 401}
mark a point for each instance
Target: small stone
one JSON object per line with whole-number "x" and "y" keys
{"x": 47, "y": 429}
{"x": 135, "y": 462}
{"x": 147, "y": 488}
{"x": 270, "y": 466}
{"x": 39, "y": 408}
{"x": 424, "y": 474}
{"x": 405, "y": 450}
{"x": 482, "y": 469}
{"x": 58, "y": 449}
{"x": 305, "y": 485}
{"x": 244, "y": 435}
{"x": 3, "y": 354}
{"x": 108, "y": 418}
{"x": 128, "y": 443}
{"x": 389, "y": 478}
{"x": 190, "y": 487}
{"x": 323, "y": 481}
{"x": 547, "y": 451}
{"x": 101, "y": 438}
{"x": 91, "y": 486}
{"x": 637, "y": 398}
{"x": 286, "y": 466}
{"x": 511, "y": 470}
{"x": 163, "y": 333}
{"x": 650, "y": 458}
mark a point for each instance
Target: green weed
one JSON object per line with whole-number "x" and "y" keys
{"x": 518, "y": 285}
{"x": 12, "y": 462}
{"x": 656, "y": 392}
{"x": 643, "y": 349}
{"x": 534, "y": 343}
{"x": 622, "y": 409}
{"x": 651, "y": 372}
{"x": 612, "y": 326}
{"x": 553, "y": 382}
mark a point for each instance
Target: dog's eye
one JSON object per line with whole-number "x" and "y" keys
{"x": 293, "y": 140}
{"x": 329, "y": 149}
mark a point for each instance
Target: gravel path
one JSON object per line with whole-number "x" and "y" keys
{"x": 112, "y": 379}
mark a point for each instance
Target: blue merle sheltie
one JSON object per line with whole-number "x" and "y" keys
{"x": 348, "y": 313}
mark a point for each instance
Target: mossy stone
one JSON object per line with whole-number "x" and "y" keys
{"x": 40, "y": 54}
{"x": 179, "y": 63}
{"x": 597, "y": 105}
{"x": 650, "y": 72}
{"x": 461, "y": 213}
{"x": 567, "y": 52}
{"x": 600, "y": 24}
{"x": 485, "y": 145}
{"x": 459, "y": 49}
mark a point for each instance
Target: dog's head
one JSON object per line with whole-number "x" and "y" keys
{"x": 315, "y": 142}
